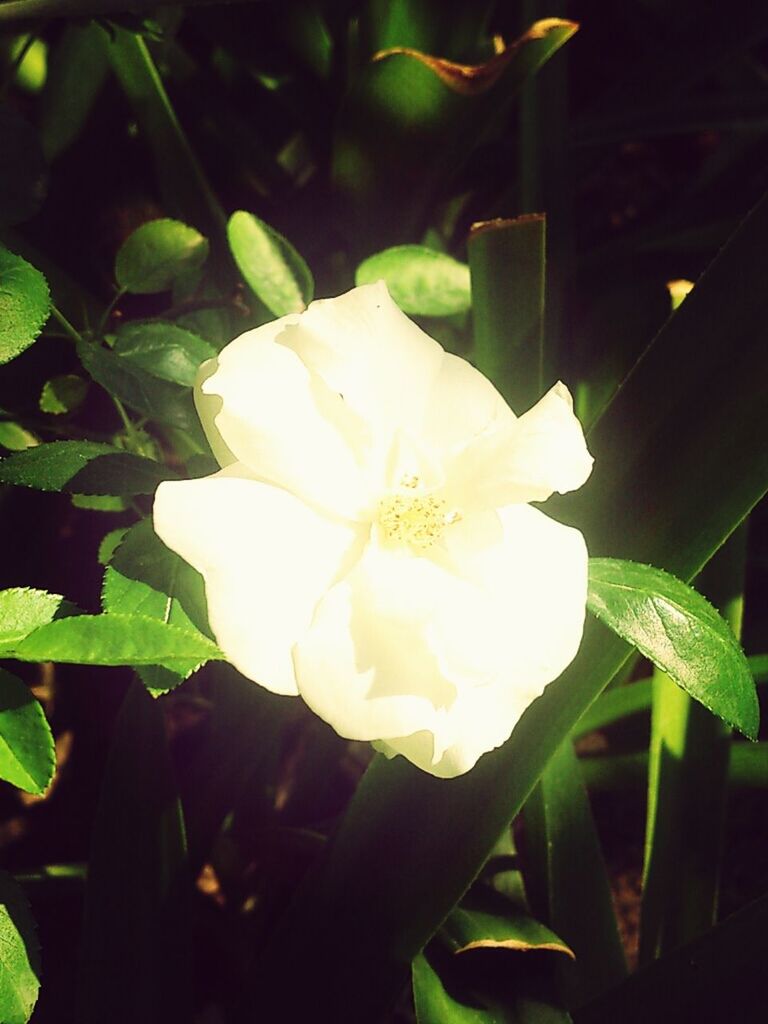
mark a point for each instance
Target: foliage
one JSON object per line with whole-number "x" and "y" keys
{"x": 172, "y": 176}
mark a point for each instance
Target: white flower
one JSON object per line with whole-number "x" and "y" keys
{"x": 369, "y": 544}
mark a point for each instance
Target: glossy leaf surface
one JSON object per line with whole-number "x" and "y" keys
{"x": 420, "y": 280}
{"x": 24, "y": 304}
{"x": 164, "y": 350}
{"x": 271, "y": 266}
{"x": 146, "y": 578}
{"x": 83, "y": 467}
{"x": 114, "y": 640}
{"x": 679, "y": 631}
{"x": 26, "y": 742}
{"x": 19, "y": 954}
{"x": 157, "y": 254}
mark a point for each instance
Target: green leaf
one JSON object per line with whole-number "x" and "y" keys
{"x": 164, "y": 350}
{"x": 157, "y": 254}
{"x": 62, "y": 394}
{"x": 23, "y": 175}
{"x": 147, "y": 578}
{"x": 26, "y": 743}
{"x": 76, "y": 72}
{"x": 507, "y": 261}
{"x": 115, "y": 640}
{"x": 679, "y": 631}
{"x": 19, "y": 955}
{"x": 83, "y": 467}
{"x": 486, "y": 966}
{"x": 420, "y": 280}
{"x": 154, "y": 398}
{"x": 23, "y": 609}
{"x": 25, "y": 304}
{"x": 411, "y": 121}
{"x": 99, "y": 502}
{"x": 135, "y": 962}
{"x": 109, "y": 544}
{"x": 16, "y": 438}
{"x": 271, "y": 266}
{"x": 566, "y": 879}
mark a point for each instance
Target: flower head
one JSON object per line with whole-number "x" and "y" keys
{"x": 369, "y": 542}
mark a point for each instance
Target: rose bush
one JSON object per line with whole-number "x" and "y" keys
{"x": 369, "y": 542}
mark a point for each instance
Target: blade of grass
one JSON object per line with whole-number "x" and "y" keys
{"x": 747, "y": 766}
{"x": 566, "y": 878}
{"x": 687, "y": 782}
{"x": 183, "y": 184}
{"x": 507, "y": 261}
{"x": 718, "y": 977}
{"x": 135, "y": 952}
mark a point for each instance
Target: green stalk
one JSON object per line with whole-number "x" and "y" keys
{"x": 687, "y": 783}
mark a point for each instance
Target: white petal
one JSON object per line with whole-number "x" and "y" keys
{"x": 462, "y": 404}
{"x": 365, "y": 665}
{"x": 536, "y": 580}
{"x": 542, "y": 452}
{"x": 527, "y": 628}
{"x": 366, "y": 349}
{"x": 266, "y": 558}
{"x": 283, "y": 422}
{"x": 207, "y": 408}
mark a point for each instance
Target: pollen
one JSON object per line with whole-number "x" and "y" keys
{"x": 415, "y": 519}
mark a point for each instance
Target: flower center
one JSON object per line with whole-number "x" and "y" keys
{"x": 415, "y": 519}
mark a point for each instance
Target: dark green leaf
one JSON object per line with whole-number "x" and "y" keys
{"x": 24, "y": 304}
{"x": 719, "y": 977}
{"x": 489, "y": 964}
{"x": 412, "y": 119}
{"x": 566, "y": 879}
{"x": 83, "y": 467}
{"x": 26, "y": 743}
{"x": 147, "y": 578}
{"x": 135, "y": 948}
{"x": 115, "y": 640}
{"x": 272, "y": 268}
{"x": 157, "y": 399}
{"x": 420, "y": 280}
{"x": 507, "y": 261}
{"x": 19, "y": 955}
{"x": 23, "y": 175}
{"x": 157, "y": 254}
{"x": 62, "y": 394}
{"x": 679, "y": 631}
{"x": 76, "y": 71}
{"x": 164, "y": 350}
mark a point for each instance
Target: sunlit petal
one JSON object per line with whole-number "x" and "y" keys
{"x": 266, "y": 558}
{"x": 542, "y": 452}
